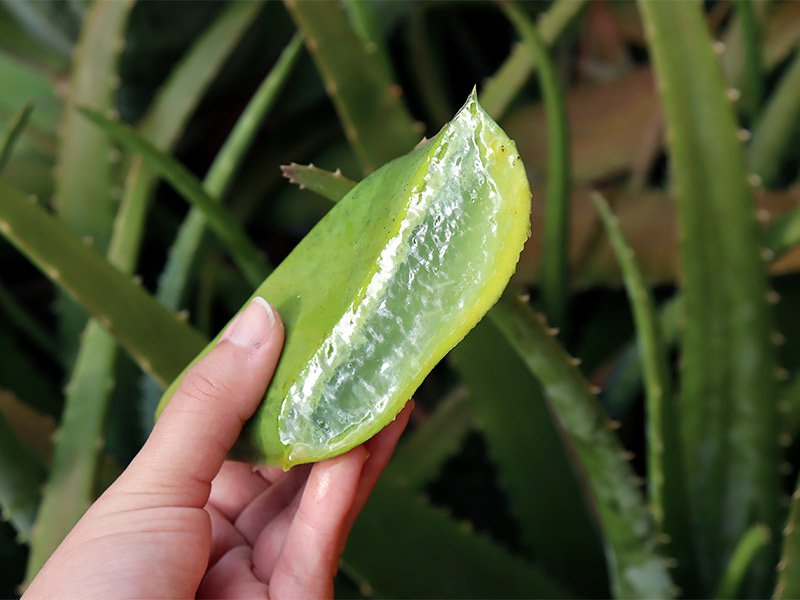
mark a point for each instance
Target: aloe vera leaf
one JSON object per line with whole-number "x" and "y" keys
{"x": 375, "y": 120}
{"x": 21, "y": 476}
{"x": 420, "y": 457}
{"x": 441, "y": 558}
{"x": 365, "y": 23}
{"x": 83, "y": 173}
{"x": 788, "y": 583}
{"x": 555, "y": 238}
{"x": 667, "y": 494}
{"x": 500, "y": 90}
{"x": 169, "y": 112}
{"x": 754, "y": 540}
{"x": 220, "y": 175}
{"x": 752, "y": 80}
{"x": 728, "y": 408}
{"x": 230, "y": 232}
{"x": 160, "y": 342}
{"x": 526, "y": 444}
{"x": 73, "y": 477}
{"x": 635, "y": 566}
{"x": 333, "y": 186}
{"x": 13, "y": 131}
{"x": 70, "y": 486}
{"x": 83, "y": 197}
{"x": 773, "y": 132}
{"x": 783, "y": 233}
{"x": 344, "y": 372}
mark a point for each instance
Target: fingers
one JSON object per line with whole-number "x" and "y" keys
{"x": 234, "y": 487}
{"x": 233, "y": 577}
{"x": 266, "y": 507}
{"x": 309, "y": 557}
{"x": 224, "y": 536}
{"x": 205, "y": 416}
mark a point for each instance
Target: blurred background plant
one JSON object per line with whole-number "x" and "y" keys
{"x": 661, "y": 144}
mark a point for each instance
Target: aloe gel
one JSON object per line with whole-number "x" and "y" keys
{"x": 384, "y": 286}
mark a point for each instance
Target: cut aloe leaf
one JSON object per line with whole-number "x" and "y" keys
{"x": 390, "y": 280}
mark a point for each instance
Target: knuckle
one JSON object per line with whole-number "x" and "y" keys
{"x": 205, "y": 384}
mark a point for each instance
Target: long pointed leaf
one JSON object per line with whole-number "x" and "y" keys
{"x": 72, "y": 482}
{"x": 223, "y": 223}
{"x": 555, "y": 239}
{"x": 664, "y": 454}
{"x": 375, "y": 120}
{"x": 636, "y": 568}
{"x": 220, "y": 175}
{"x": 501, "y": 89}
{"x": 729, "y": 417}
{"x": 526, "y": 444}
{"x": 159, "y": 341}
{"x": 83, "y": 173}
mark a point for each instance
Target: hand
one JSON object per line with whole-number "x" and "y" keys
{"x": 180, "y": 521}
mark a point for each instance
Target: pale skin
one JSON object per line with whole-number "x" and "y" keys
{"x": 181, "y": 521}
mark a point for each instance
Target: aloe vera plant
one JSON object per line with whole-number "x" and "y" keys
{"x": 642, "y": 451}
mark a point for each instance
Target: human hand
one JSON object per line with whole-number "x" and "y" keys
{"x": 183, "y": 522}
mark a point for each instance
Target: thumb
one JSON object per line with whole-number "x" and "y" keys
{"x": 205, "y": 416}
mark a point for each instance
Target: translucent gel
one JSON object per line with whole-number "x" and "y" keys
{"x": 435, "y": 265}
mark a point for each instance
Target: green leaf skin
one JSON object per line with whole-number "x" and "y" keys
{"x": 159, "y": 341}
{"x": 389, "y": 281}
{"x": 375, "y": 120}
{"x": 728, "y": 403}
{"x": 635, "y": 566}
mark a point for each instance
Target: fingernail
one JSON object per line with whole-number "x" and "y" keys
{"x": 254, "y": 324}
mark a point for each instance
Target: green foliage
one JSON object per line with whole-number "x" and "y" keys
{"x": 729, "y": 415}
{"x": 525, "y": 472}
